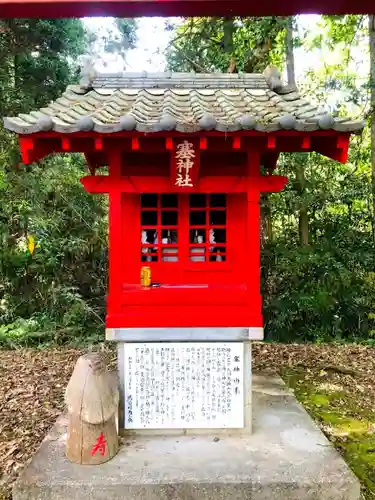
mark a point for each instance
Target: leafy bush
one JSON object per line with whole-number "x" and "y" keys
{"x": 320, "y": 293}
{"x": 61, "y": 283}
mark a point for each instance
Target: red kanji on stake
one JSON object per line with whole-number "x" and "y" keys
{"x": 100, "y": 446}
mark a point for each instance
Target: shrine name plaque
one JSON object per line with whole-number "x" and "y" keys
{"x": 182, "y": 385}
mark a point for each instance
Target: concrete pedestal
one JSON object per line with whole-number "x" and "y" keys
{"x": 286, "y": 457}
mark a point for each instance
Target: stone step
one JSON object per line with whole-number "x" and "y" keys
{"x": 286, "y": 457}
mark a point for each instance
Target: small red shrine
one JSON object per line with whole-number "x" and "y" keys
{"x": 188, "y": 157}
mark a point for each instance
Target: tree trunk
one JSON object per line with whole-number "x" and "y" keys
{"x": 266, "y": 229}
{"x": 291, "y": 75}
{"x": 228, "y": 30}
{"x": 303, "y": 219}
{"x": 268, "y": 217}
{"x": 372, "y": 104}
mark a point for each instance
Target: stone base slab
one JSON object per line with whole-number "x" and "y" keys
{"x": 287, "y": 457}
{"x": 227, "y": 334}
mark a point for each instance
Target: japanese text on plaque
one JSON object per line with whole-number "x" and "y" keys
{"x": 185, "y": 156}
{"x": 189, "y": 385}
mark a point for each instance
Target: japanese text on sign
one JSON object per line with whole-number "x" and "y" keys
{"x": 185, "y": 156}
{"x": 183, "y": 385}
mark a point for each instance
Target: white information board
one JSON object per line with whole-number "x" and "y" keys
{"x": 174, "y": 385}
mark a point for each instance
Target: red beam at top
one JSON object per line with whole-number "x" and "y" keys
{"x": 139, "y": 8}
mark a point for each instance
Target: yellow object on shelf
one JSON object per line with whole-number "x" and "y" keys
{"x": 146, "y": 276}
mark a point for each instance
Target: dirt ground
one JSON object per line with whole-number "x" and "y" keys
{"x": 32, "y": 384}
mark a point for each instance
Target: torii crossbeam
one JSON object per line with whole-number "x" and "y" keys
{"x": 139, "y": 8}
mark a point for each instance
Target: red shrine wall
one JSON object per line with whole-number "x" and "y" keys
{"x": 196, "y": 246}
{"x": 204, "y": 278}
{"x": 202, "y": 248}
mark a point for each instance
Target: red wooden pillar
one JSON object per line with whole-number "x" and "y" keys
{"x": 115, "y": 235}
{"x": 184, "y": 228}
{"x": 253, "y": 237}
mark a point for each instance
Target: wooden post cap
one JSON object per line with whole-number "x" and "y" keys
{"x": 92, "y": 399}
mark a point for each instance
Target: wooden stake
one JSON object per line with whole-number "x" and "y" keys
{"x": 92, "y": 399}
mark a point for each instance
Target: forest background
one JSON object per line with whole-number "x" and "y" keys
{"x": 317, "y": 236}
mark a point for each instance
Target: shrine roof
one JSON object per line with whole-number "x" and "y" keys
{"x": 184, "y": 102}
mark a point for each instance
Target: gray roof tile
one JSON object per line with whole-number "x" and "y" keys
{"x": 192, "y": 102}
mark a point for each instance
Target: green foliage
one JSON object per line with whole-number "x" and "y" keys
{"x": 345, "y": 417}
{"x": 38, "y": 60}
{"x": 319, "y": 294}
{"x": 61, "y": 285}
{"x": 56, "y": 292}
{"x": 342, "y": 42}
{"x": 118, "y": 39}
{"x": 209, "y": 44}
{"x": 324, "y": 291}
